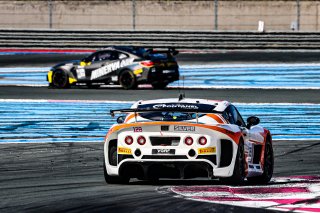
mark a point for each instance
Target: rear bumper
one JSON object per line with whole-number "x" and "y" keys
{"x": 166, "y": 76}
{"x": 154, "y": 75}
{"x": 180, "y": 169}
{"x": 166, "y": 169}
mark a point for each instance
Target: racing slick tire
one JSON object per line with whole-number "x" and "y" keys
{"x": 128, "y": 80}
{"x": 267, "y": 166}
{"x": 60, "y": 79}
{"x": 113, "y": 160}
{"x": 238, "y": 175}
{"x": 160, "y": 85}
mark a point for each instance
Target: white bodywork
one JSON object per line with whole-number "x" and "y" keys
{"x": 214, "y": 127}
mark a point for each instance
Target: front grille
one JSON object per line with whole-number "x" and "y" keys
{"x": 165, "y": 141}
{"x": 164, "y": 157}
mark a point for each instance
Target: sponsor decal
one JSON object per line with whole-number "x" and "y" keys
{"x": 110, "y": 68}
{"x": 175, "y": 106}
{"x": 124, "y": 151}
{"x": 137, "y": 129}
{"x": 168, "y": 71}
{"x": 81, "y": 73}
{"x": 163, "y": 151}
{"x": 207, "y": 151}
{"x": 184, "y": 128}
{"x": 138, "y": 71}
{"x": 114, "y": 78}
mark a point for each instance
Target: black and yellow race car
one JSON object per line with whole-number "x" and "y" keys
{"x": 124, "y": 65}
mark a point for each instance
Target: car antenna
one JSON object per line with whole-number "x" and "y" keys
{"x": 182, "y": 95}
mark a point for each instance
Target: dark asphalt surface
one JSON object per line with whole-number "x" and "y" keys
{"x": 56, "y": 177}
{"x": 230, "y": 56}
{"x": 233, "y": 95}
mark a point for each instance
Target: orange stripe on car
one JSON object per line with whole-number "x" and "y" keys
{"x": 131, "y": 115}
{"x": 235, "y": 136}
{"x": 216, "y": 118}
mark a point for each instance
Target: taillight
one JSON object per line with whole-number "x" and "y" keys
{"x": 141, "y": 140}
{"x": 188, "y": 141}
{"x": 147, "y": 63}
{"x": 202, "y": 140}
{"x": 128, "y": 140}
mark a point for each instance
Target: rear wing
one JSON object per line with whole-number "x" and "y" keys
{"x": 136, "y": 111}
{"x": 170, "y": 51}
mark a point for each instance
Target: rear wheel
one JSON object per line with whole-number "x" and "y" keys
{"x": 160, "y": 85}
{"x": 113, "y": 161}
{"x": 238, "y": 175}
{"x": 267, "y": 166}
{"x": 128, "y": 80}
{"x": 60, "y": 79}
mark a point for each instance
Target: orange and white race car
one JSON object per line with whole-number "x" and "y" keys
{"x": 187, "y": 138}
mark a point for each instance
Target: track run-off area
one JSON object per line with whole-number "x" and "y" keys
{"x": 88, "y": 121}
{"x": 51, "y": 142}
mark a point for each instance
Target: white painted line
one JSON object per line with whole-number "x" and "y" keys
{"x": 248, "y": 65}
{"x": 243, "y": 87}
{"x": 183, "y": 87}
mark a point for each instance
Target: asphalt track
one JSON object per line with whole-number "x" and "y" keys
{"x": 233, "y": 95}
{"x": 59, "y": 177}
{"x": 68, "y": 177}
{"x": 54, "y": 177}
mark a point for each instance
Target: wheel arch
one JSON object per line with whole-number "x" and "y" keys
{"x": 126, "y": 69}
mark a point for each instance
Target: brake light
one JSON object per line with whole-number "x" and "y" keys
{"x": 147, "y": 63}
{"x": 141, "y": 140}
{"x": 202, "y": 140}
{"x": 188, "y": 141}
{"x": 128, "y": 140}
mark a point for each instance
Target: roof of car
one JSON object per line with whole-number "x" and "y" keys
{"x": 220, "y": 105}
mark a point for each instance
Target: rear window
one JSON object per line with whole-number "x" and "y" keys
{"x": 169, "y": 116}
{"x": 157, "y": 56}
{"x": 174, "y": 111}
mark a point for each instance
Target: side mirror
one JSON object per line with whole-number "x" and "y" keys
{"x": 120, "y": 119}
{"x": 252, "y": 121}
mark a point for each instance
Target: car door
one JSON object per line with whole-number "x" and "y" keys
{"x": 253, "y": 137}
{"x": 233, "y": 116}
{"x": 95, "y": 67}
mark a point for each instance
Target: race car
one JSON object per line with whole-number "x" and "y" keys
{"x": 187, "y": 138}
{"x": 127, "y": 66}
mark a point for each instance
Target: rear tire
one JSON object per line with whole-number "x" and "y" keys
{"x": 160, "y": 85}
{"x": 127, "y": 80}
{"x": 113, "y": 161}
{"x": 238, "y": 175}
{"x": 267, "y": 167}
{"x": 60, "y": 79}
